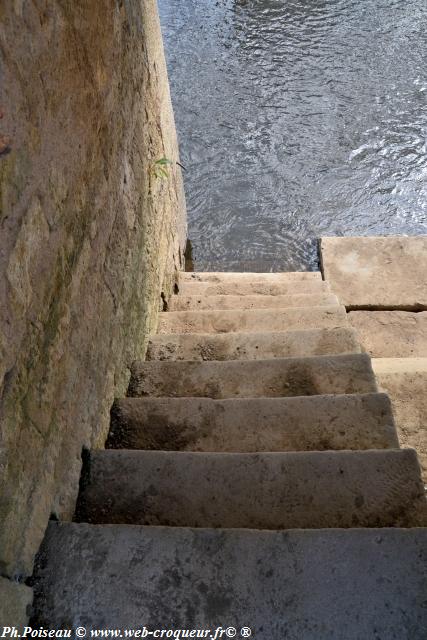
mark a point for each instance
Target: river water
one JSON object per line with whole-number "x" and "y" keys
{"x": 297, "y": 119}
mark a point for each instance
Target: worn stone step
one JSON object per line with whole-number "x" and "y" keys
{"x": 252, "y": 320}
{"x": 301, "y": 585}
{"x": 292, "y": 287}
{"x": 252, "y": 346}
{"x": 245, "y": 378}
{"x": 314, "y": 423}
{"x": 235, "y": 276}
{"x": 376, "y": 488}
{"x": 194, "y": 303}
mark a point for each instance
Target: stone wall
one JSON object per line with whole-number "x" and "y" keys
{"x": 90, "y": 237}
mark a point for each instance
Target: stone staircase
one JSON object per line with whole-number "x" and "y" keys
{"x": 252, "y": 478}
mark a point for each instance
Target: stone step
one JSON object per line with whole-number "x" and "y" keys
{"x": 252, "y": 346}
{"x": 292, "y": 287}
{"x": 301, "y": 490}
{"x": 252, "y": 320}
{"x": 285, "y": 377}
{"x": 194, "y": 303}
{"x": 301, "y": 585}
{"x": 314, "y": 423}
{"x": 218, "y": 277}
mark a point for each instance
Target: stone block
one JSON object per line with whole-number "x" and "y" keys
{"x": 405, "y": 380}
{"x": 377, "y": 272}
{"x": 391, "y": 334}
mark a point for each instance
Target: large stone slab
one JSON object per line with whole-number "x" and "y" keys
{"x": 405, "y": 380}
{"x": 245, "y": 378}
{"x": 391, "y": 334}
{"x": 192, "y": 303}
{"x": 258, "y": 491}
{"x": 377, "y": 272}
{"x": 300, "y": 585}
{"x": 313, "y": 423}
{"x": 15, "y": 603}
{"x": 252, "y": 346}
{"x": 252, "y": 320}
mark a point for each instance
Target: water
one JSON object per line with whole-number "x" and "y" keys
{"x": 297, "y": 119}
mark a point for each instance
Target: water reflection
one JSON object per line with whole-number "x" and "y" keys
{"x": 297, "y": 119}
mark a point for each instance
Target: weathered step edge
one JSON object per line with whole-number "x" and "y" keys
{"x": 259, "y": 491}
{"x": 314, "y": 423}
{"x": 253, "y": 288}
{"x": 216, "y": 303}
{"x": 251, "y": 320}
{"x": 253, "y": 346}
{"x": 245, "y": 276}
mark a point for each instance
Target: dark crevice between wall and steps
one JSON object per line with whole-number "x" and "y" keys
{"x": 188, "y": 256}
{"x": 84, "y": 480}
{"x": 417, "y": 308}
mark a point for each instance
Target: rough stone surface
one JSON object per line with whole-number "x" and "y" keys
{"x": 89, "y": 236}
{"x": 391, "y": 334}
{"x": 377, "y": 272}
{"x": 238, "y": 378}
{"x": 314, "y": 423}
{"x": 15, "y": 603}
{"x": 405, "y": 380}
{"x": 252, "y": 346}
{"x": 218, "y": 277}
{"x": 192, "y": 303}
{"x": 251, "y": 320}
{"x": 298, "y": 585}
{"x": 292, "y": 287}
{"x": 254, "y": 490}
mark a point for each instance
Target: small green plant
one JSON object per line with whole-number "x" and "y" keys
{"x": 159, "y": 168}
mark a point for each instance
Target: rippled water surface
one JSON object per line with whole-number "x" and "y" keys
{"x": 297, "y": 119}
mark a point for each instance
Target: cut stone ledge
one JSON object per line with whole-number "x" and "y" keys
{"x": 405, "y": 380}
{"x": 391, "y": 334}
{"x": 377, "y": 272}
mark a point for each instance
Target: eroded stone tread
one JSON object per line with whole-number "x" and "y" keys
{"x": 224, "y": 302}
{"x": 235, "y": 276}
{"x": 286, "y": 584}
{"x": 315, "y": 423}
{"x": 319, "y": 375}
{"x": 319, "y": 489}
{"x": 252, "y": 320}
{"x": 253, "y": 288}
{"x": 252, "y": 346}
